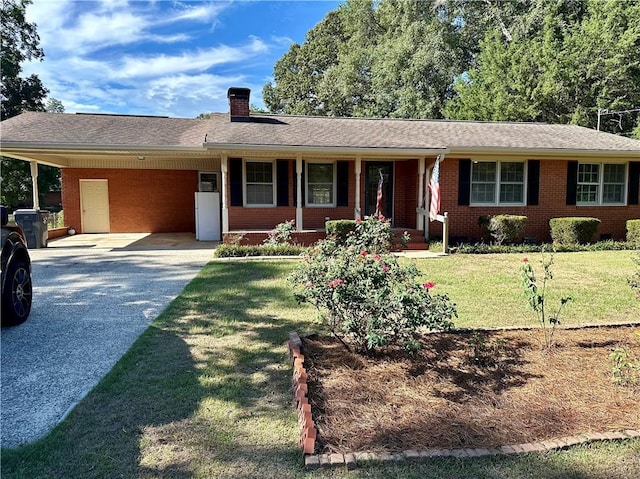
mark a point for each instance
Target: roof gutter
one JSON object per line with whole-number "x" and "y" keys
{"x": 56, "y": 147}
{"x": 538, "y": 152}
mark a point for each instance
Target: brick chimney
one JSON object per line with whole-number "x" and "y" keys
{"x": 238, "y": 103}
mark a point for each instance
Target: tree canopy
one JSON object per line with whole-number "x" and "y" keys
{"x": 556, "y": 61}
{"x": 20, "y": 42}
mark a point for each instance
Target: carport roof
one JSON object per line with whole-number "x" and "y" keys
{"x": 37, "y": 130}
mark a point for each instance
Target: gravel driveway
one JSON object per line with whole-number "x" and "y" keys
{"x": 90, "y": 304}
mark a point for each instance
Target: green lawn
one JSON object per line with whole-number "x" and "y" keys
{"x": 487, "y": 289}
{"x": 204, "y": 392}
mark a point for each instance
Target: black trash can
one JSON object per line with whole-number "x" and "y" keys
{"x": 34, "y": 224}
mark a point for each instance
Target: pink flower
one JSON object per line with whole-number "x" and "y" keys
{"x": 385, "y": 268}
{"x": 377, "y": 257}
{"x": 364, "y": 254}
{"x": 638, "y": 295}
{"x": 381, "y": 217}
{"x": 358, "y": 220}
{"x": 525, "y": 260}
{"x": 428, "y": 285}
{"x": 334, "y": 283}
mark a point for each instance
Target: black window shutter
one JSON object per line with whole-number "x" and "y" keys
{"x": 572, "y": 182}
{"x": 634, "y": 181}
{"x": 342, "y": 197}
{"x": 533, "y": 182}
{"x": 282, "y": 172}
{"x": 235, "y": 181}
{"x": 464, "y": 182}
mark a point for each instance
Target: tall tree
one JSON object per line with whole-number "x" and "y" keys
{"x": 385, "y": 57}
{"x": 20, "y": 42}
{"x": 583, "y": 56}
{"x": 299, "y": 72}
{"x": 54, "y": 106}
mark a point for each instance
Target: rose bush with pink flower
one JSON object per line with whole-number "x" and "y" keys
{"x": 366, "y": 297}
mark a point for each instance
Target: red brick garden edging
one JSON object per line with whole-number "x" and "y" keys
{"x": 308, "y": 430}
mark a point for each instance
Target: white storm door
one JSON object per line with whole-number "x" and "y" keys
{"x": 94, "y": 203}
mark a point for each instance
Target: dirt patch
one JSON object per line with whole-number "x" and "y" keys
{"x": 468, "y": 389}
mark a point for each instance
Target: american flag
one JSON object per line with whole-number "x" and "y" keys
{"x": 379, "y": 197}
{"x": 434, "y": 187}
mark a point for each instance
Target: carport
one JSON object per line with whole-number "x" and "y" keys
{"x": 119, "y": 173}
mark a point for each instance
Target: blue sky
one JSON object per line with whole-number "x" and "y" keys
{"x": 161, "y": 57}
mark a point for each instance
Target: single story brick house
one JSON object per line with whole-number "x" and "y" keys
{"x": 125, "y": 173}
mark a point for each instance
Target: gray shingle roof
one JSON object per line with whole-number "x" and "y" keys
{"x": 103, "y": 130}
{"x": 301, "y": 131}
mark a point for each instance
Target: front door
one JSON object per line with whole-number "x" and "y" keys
{"x": 372, "y": 179}
{"x": 94, "y": 203}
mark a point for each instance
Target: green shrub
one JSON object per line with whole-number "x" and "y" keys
{"x": 633, "y": 231}
{"x": 484, "y": 248}
{"x": 507, "y": 228}
{"x": 239, "y": 251}
{"x": 365, "y": 296}
{"x": 339, "y": 229}
{"x": 573, "y": 230}
{"x": 626, "y": 367}
{"x": 483, "y": 223}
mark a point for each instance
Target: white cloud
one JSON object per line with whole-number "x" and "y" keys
{"x": 182, "y": 95}
{"x": 100, "y": 31}
{"x": 192, "y": 61}
{"x": 201, "y": 13}
{"x": 177, "y": 38}
{"x": 83, "y": 27}
{"x": 116, "y": 56}
{"x": 280, "y": 40}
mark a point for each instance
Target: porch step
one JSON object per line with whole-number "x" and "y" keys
{"x": 416, "y": 241}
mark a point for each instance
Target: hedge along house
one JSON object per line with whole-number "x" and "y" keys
{"x": 140, "y": 173}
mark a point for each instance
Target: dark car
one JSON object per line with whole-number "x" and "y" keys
{"x": 16, "y": 274}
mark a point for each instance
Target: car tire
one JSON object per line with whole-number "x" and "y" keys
{"x": 17, "y": 293}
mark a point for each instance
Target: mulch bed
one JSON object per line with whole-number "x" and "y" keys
{"x": 505, "y": 390}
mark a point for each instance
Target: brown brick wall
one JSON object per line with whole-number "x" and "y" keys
{"x": 241, "y": 218}
{"x": 406, "y": 194}
{"x": 140, "y": 201}
{"x": 463, "y": 220}
{"x": 163, "y": 201}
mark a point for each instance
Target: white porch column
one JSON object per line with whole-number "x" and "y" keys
{"x": 34, "y": 182}
{"x": 225, "y": 192}
{"x": 358, "y": 211}
{"x": 299, "y": 224}
{"x": 420, "y": 216}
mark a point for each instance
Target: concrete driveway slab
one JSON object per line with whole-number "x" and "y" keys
{"x": 90, "y": 304}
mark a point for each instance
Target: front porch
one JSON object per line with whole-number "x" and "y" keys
{"x": 309, "y": 237}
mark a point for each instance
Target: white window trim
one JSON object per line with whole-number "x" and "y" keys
{"x": 200, "y": 173}
{"x": 244, "y": 184}
{"x": 306, "y": 183}
{"x": 600, "y": 201}
{"x": 497, "y": 184}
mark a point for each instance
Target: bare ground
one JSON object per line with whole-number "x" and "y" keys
{"x": 470, "y": 389}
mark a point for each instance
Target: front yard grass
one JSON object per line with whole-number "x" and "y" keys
{"x": 204, "y": 392}
{"x": 487, "y": 289}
